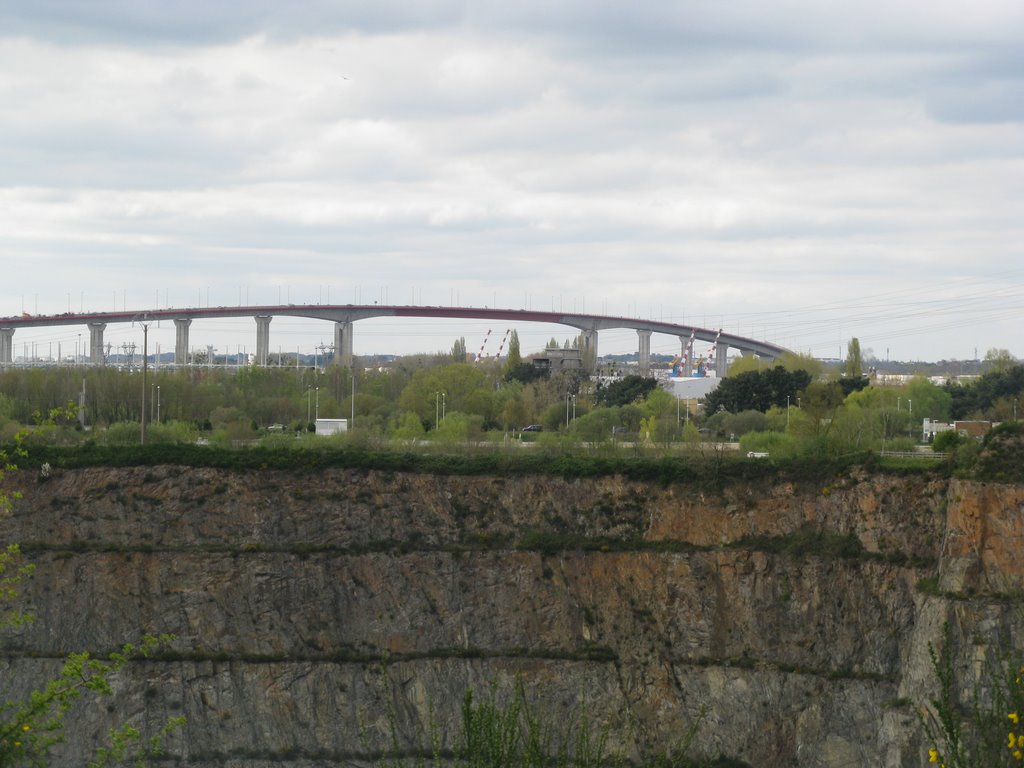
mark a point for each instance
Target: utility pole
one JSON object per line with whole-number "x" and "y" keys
{"x": 145, "y": 374}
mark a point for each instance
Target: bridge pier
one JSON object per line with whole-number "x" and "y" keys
{"x": 721, "y": 360}
{"x": 263, "y": 339}
{"x": 645, "y": 351}
{"x": 343, "y": 343}
{"x": 181, "y": 325}
{"x": 6, "y": 346}
{"x": 96, "y": 343}
{"x": 686, "y": 354}
{"x": 589, "y": 351}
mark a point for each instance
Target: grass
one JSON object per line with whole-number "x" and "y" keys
{"x": 497, "y": 732}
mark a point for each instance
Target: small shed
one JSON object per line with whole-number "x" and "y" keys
{"x": 331, "y": 426}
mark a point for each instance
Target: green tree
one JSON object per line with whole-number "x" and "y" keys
{"x": 819, "y": 402}
{"x": 793, "y": 362}
{"x": 459, "y": 427}
{"x": 513, "y": 415}
{"x": 745, "y": 364}
{"x": 743, "y": 422}
{"x": 661, "y": 403}
{"x": 948, "y": 441}
{"x": 459, "y": 350}
{"x": 408, "y": 427}
{"x": 857, "y": 428}
{"x": 757, "y": 390}
{"x": 514, "y": 358}
{"x": 928, "y": 400}
{"x": 626, "y": 390}
{"x": 854, "y": 367}
{"x": 999, "y": 359}
{"x": 456, "y": 387}
{"x": 596, "y": 426}
{"x": 978, "y": 398}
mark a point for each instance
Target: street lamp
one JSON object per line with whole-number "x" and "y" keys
{"x": 317, "y": 403}
{"x": 569, "y": 395}
{"x": 440, "y": 398}
{"x": 145, "y": 371}
{"x": 309, "y": 393}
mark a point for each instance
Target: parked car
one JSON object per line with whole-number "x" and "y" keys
{"x": 533, "y": 428}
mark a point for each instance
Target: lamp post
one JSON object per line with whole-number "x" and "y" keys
{"x": 309, "y": 394}
{"x": 440, "y": 398}
{"x": 317, "y": 411}
{"x": 145, "y": 382}
{"x": 569, "y": 395}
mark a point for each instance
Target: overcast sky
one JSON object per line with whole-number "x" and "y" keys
{"x": 801, "y": 172}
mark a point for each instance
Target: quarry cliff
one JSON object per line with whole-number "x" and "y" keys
{"x": 315, "y": 611}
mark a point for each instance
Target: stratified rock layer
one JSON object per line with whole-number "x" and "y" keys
{"x": 648, "y": 607}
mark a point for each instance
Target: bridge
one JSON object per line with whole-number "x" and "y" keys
{"x": 346, "y": 315}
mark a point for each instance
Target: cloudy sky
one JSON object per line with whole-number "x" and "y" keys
{"x": 801, "y": 171}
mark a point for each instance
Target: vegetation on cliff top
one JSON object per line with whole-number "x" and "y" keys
{"x": 700, "y": 468}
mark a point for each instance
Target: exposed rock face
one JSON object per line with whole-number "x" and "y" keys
{"x": 644, "y": 604}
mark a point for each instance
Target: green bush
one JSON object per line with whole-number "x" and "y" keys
{"x": 778, "y": 445}
{"x": 947, "y": 442}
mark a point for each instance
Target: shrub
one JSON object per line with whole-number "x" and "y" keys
{"x": 947, "y": 442}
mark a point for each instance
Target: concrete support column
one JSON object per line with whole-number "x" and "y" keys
{"x": 589, "y": 351}
{"x": 6, "y": 345}
{"x": 96, "y": 342}
{"x": 721, "y": 360}
{"x": 263, "y": 339}
{"x": 181, "y": 325}
{"x": 645, "y": 352}
{"x": 686, "y": 355}
{"x": 343, "y": 343}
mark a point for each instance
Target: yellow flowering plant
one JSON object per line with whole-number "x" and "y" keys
{"x": 985, "y": 733}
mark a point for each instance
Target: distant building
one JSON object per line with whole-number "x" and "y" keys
{"x": 691, "y": 388}
{"x": 975, "y": 429}
{"x": 331, "y": 426}
{"x": 559, "y": 360}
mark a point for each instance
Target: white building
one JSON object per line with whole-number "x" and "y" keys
{"x": 331, "y": 426}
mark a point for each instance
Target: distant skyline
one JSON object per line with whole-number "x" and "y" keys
{"x": 799, "y": 172}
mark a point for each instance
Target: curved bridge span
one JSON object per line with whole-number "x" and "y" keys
{"x": 345, "y": 315}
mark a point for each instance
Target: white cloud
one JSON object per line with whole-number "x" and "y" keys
{"x": 687, "y": 159}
